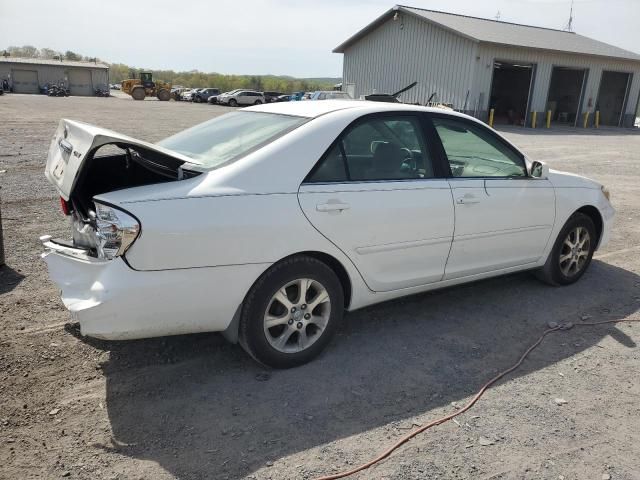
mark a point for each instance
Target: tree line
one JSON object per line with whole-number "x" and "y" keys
{"x": 193, "y": 78}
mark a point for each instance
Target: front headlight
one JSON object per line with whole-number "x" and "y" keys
{"x": 115, "y": 232}
{"x": 606, "y": 193}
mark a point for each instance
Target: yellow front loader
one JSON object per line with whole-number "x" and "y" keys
{"x": 145, "y": 87}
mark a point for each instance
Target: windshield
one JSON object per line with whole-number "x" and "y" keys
{"x": 231, "y": 136}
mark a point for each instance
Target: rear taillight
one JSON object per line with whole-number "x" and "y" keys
{"x": 116, "y": 231}
{"x": 66, "y": 207}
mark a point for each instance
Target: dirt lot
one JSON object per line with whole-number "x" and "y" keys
{"x": 196, "y": 407}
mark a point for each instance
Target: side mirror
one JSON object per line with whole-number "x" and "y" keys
{"x": 539, "y": 170}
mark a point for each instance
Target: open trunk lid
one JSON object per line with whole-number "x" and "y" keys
{"x": 74, "y": 144}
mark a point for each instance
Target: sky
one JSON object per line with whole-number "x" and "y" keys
{"x": 282, "y": 37}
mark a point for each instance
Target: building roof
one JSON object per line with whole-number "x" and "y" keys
{"x": 42, "y": 61}
{"x": 502, "y": 33}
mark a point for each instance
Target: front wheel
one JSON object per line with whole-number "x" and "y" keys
{"x": 572, "y": 252}
{"x": 291, "y": 312}
{"x": 233, "y": 102}
{"x": 258, "y": 102}
{"x": 138, "y": 93}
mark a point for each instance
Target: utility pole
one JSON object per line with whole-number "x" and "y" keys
{"x": 497, "y": 17}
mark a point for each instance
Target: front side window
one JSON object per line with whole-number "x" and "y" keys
{"x": 379, "y": 148}
{"x": 231, "y": 136}
{"x": 473, "y": 151}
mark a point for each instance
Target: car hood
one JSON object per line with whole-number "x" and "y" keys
{"x": 571, "y": 180}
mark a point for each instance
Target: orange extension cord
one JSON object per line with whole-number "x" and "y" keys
{"x": 476, "y": 397}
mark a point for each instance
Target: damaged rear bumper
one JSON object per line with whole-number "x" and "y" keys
{"x": 112, "y": 301}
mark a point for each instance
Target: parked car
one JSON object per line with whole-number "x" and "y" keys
{"x": 330, "y": 95}
{"x": 203, "y": 94}
{"x": 283, "y": 98}
{"x": 241, "y": 97}
{"x": 187, "y": 95}
{"x": 225, "y": 95}
{"x": 271, "y": 96}
{"x": 268, "y": 223}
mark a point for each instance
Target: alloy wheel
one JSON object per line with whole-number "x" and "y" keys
{"x": 296, "y": 315}
{"x": 574, "y": 252}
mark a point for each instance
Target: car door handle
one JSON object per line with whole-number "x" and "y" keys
{"x": 467, "y": 200}
{"x": 332, "y": 207}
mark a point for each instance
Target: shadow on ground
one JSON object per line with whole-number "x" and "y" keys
{"x": 202, "y": 409}
{"x": 9, "y": 279}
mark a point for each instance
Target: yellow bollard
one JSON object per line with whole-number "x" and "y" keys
{"x": 534, "y": 118}
{"x": 549, "y": 119}
{"x": 586, "y": 120}
{"x": 597, "y": 119}
{"x": 491, "y": 112}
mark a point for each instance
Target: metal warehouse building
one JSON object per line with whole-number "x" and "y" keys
{"x": 27, "y": 75}
{"x": 478, "y": 64}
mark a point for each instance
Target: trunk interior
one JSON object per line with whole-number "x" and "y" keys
{"x": 116, "y": 167}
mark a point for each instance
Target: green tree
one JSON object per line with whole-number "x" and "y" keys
{"x": 69, "y": 55}
{"x": 26, "y": 51}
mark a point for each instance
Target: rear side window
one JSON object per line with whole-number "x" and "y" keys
{"x": 376, "y": 149}
{"x": 231, "y": 136}
{"x": 473, "y": 151}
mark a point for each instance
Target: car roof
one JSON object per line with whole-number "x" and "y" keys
{"x": 311, "y": 109}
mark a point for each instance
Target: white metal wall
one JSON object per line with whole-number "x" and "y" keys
{"x": 545, "y": 62}
{"x": 54, "y": 73}
{"x": 402, "y": 51}
{"x": 407, "y": 50}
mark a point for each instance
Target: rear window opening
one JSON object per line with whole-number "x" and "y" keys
{"x": 115, "y": 166}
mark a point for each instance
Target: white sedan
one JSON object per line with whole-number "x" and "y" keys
{"x": 268, "y": 223}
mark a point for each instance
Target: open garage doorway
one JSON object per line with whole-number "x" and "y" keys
{"x": 510, "y": 92}
{"x": 612, "y": 97}
{"x": 566, "y": 91}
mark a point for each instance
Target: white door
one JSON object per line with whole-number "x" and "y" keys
{"x": 503, "y": 217}
{"x": 375, "y": 196}
{"x": 25, "y": 81}
{"x": 244, "y": 98}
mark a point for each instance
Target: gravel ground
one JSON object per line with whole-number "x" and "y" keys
{"x": 195, "y": 407}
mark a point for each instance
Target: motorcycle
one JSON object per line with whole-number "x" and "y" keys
{"x": 102, "y": 92}
{"x": 58, "y": 90}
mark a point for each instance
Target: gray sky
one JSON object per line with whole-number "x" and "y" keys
{"x": 284, "y": 37}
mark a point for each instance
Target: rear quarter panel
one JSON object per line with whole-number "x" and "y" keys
{"x": 226, "y": 230}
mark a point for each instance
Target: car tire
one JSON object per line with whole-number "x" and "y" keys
{"x": 299, "y": 329}
{"x": 258, "y": 102}
{"x": 571, "y": 253}
{"x": 233, "y": 102}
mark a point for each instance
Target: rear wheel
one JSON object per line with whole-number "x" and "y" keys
{"x": 233, "y": 102}
{"x": 258, "y": 102}
{"x": 138, "y": 93}
{"x": 571, "y": 253}
{"x": 164, "y": 95}
{"x": 291, "y": 312}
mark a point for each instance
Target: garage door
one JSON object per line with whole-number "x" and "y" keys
{"x": 80, "y": 82}
{"x": 612, "y": 97}
{"x": 25, "y": 81}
